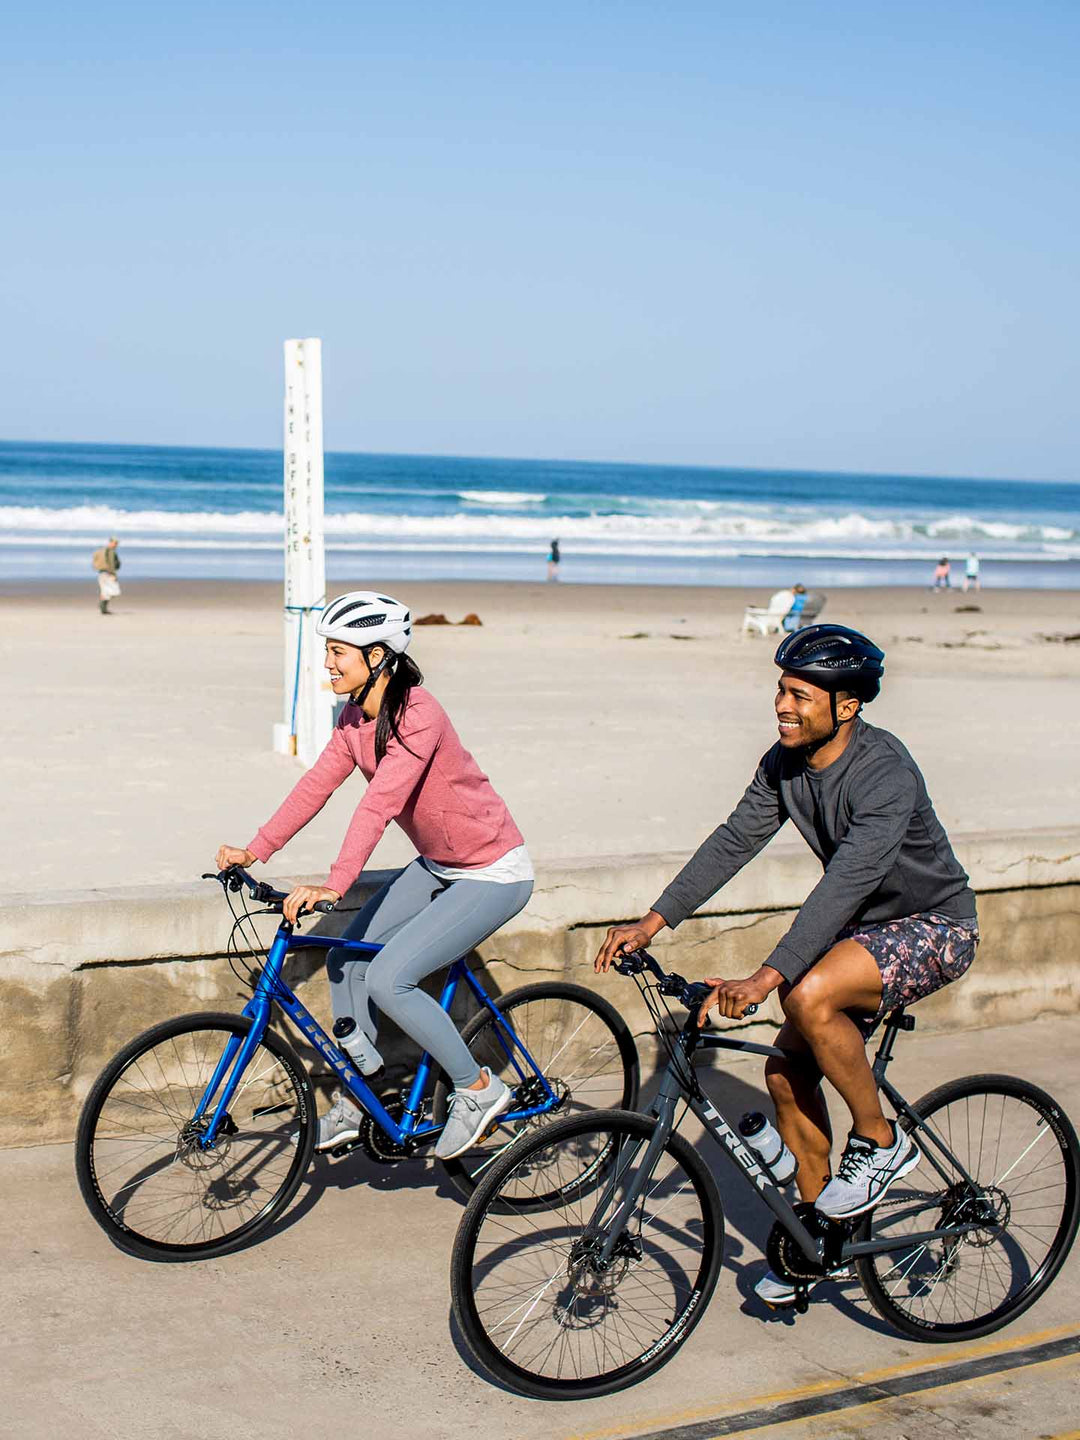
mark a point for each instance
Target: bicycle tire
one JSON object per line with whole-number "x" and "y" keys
{"x": 131, "y": 1118}
{"x": 984, "y": 1120}
{"x": 605, "y": 1078}
{"x": 597, "y": 1305}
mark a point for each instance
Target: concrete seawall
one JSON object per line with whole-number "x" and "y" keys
{"x": 82, "y": 974}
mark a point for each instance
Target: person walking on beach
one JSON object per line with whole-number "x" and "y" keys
{"x": 107, "y": 562}
{"x": 891, "y": 920}
{"x": 971, "y": 572}
{"x": 553, "y": 561}
{"x": 472, "y": 873}
{"x": 941, "y": 574}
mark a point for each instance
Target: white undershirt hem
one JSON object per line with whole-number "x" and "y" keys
{"x": 509, "y": 869}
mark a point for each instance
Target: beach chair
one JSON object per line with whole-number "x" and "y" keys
{"x": 807, "y": 607}
{"x": 768, "y": 619}
{"x": 812, "y": 607}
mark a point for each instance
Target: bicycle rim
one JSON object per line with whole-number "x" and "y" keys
{"x": 1021, "y": 1152}
{"x": 578, "y": 1042}
{"x": 141, "y": 1168}
{"x": 537, "y": 1301}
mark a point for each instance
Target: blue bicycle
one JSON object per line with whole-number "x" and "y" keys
{"x": 196, "y": 1136}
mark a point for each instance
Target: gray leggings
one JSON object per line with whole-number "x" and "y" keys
{"x": 423, "y": 923}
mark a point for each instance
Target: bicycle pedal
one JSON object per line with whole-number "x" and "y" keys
{"x": 344, "y": 1149}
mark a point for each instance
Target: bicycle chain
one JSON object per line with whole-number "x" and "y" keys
{"x": 377, "y": 1145}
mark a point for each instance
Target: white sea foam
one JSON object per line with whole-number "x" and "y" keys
{"x": 731, "y": 531}
{"x": 501, "y": 497}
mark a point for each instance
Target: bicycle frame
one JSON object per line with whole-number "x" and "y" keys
{"x": 673, "y": 1088}
{"x": 271, "y": 989}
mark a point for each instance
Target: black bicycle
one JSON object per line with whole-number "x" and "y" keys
{"x": 600, "y": 1288}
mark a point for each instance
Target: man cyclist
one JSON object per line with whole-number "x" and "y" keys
{"x": 891, "y": 920}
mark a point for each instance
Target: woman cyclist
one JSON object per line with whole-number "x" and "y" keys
{"x": 472, "y": 874}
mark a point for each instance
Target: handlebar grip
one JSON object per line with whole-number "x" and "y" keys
{"x": 750, "y": 1010}
{"x": 324, "y": 907}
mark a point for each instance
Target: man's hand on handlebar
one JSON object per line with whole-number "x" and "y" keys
{"x": 621, "y": 939}
{"x": 229, "y": 855}
{"x": 306, "y": 896}
{"x": 731, "y": 997}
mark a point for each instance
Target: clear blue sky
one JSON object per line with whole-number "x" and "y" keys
{"x": 807, "y": 235}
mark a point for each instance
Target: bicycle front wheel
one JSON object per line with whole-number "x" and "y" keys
{"x": 588, "y": 1294}
{"x": 579, "y": 1043}
{"x": 1020, "y": 1151}
{"x": 147, "y": 1180}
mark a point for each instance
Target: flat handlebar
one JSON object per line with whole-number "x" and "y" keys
{"x": 691, "y": 993}
{"x": 236, "y": 878}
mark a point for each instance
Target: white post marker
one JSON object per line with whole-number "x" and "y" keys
{"x": 308, "y": 713}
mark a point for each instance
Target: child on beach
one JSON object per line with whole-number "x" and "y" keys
{"x": 941, "y": 574}
{"x": 472, "y": 873}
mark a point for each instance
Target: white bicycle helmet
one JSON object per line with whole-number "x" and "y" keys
{"x": 364, "y": 618}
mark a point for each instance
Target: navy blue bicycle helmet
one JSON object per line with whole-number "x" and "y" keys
{"x": 834, "y": 657}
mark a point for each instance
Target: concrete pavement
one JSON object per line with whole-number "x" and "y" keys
{"x": 339, "y": 1323}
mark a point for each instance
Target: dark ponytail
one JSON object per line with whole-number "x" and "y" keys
{"x": 404, "y": 674}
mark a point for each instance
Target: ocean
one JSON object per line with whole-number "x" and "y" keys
{"x": 215, "y": 513}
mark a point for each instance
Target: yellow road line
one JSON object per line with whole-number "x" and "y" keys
{"x": 825, "y": 1387}
{"x": 874, "y": 1410}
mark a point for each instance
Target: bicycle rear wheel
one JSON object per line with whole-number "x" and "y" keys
{"x": 142, "y": 1172}
{"x": 579, "y": 1043}
{"x": 539, "y": 1303}
{"x": 1019, "y": 1148}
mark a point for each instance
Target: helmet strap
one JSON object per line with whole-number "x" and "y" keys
{"x": 373, "y": 675}
{"x": 837, "y": 725}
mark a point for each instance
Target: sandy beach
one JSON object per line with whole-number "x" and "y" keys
{"x": 614, "y": 719}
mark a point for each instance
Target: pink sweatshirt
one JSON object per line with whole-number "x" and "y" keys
{"x": 438, "y": 795}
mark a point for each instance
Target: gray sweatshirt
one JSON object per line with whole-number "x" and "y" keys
{"x": 868, "y": 819}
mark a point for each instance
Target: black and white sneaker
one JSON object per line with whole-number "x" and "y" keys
{"x": 865, "y": 1173}
{"x": 778, "y": 1293}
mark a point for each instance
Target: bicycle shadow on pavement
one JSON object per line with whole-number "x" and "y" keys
{"x": 357, "y": 1170}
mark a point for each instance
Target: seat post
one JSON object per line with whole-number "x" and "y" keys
{"x": 894, "y": 1021}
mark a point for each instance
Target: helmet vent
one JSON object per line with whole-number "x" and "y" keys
{"x": 336, "y": 616}
{"x": 364, "y": 622}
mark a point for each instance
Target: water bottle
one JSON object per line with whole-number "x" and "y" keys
{"x": 764, "y": 1139}
{"x": 360, "y": 1050}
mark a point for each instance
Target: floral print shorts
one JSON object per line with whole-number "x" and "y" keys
{"x": 916, "y": 956}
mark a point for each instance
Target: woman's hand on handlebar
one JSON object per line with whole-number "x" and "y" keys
{"x": 306, "y": 896}
{"x": 731, "y": 997}
{"x": 229, "y": 855}
{"x": 621, "y": 939}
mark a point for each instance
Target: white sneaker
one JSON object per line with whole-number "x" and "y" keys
{"x": 865, "y": 1173}
{"x": 471, "y": 1112}
{"x": 777, "y": 1292}
{"x": 340, "y": 1124}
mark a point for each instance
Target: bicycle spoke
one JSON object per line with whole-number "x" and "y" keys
{"x": 1009, "y": 1218}
{"x": 154, "y": 1174}
{"x": 549, "y": 1309}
